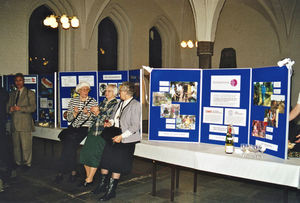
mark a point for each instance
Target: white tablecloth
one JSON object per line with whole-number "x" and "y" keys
{"x": 211, "y": 158}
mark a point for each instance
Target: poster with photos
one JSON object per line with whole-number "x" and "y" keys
{"x": 174, "y": 109}
{"x": 269, "y": 109}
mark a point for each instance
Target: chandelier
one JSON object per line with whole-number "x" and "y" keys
{"x": 188, "y": 44}
{"x": 66, "y": 22}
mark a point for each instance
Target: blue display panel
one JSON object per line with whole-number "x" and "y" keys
{"x": 67, "y": 86}
{"x": 270, "y": 109}
{"x": 30, "y": 82}
{"x": 110, "y": 77}
{"x": 225, "y": 101}
{"x": 174, "y": 105}
{"x": 46, "y": 100}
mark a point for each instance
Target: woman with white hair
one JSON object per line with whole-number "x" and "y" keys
{"x": 81, "y": 117}
{"x": 117, "y": 157}
{"x": 90, "y": 154}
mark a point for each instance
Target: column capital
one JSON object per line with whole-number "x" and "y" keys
{"x": 205, "y": 47}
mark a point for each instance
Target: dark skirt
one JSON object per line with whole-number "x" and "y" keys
{"x": 91, "y": 151}
{"x": 118, "y": 158}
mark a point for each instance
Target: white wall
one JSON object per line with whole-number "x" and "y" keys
{"x": 255, "y": 39}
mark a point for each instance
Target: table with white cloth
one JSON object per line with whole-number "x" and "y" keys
{"x": 209, "y": 158}
{"x": 212, "y": 158}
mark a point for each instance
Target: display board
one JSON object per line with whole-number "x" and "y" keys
{"x": 225, "y": 101}
{"x": 174, "y": 105}
{"x": 67, "y": 86}
{"x": 110, "y": 77}
{"x": 46, "y": 101}
{"x": 254, "y": 101}
{"x": 30, "y": 82}
{"x": 270, "y": 107}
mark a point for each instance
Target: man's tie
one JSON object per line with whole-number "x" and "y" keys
{"x": 17, "y": 98}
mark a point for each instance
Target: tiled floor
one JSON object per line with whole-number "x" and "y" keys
{"x": 36, "y": 185}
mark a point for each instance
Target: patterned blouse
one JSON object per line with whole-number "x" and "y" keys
{"x": 106, "y": 109}
{"x": 82, "y": 118}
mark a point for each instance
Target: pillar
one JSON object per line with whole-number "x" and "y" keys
{"x": 205, "y": 51}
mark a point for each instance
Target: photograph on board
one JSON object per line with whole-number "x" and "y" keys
{"x": 259, "y": 128}
{"x": 262, "y": 93}
{"x": 183, "y": 91}
{"x": 169, "y": 110}
{"x": 186, "y": 122}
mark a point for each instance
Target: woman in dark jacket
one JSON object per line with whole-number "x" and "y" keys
{"x": 117, "y": 156}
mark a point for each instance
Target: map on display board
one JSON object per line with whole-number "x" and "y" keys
{"x": 198, "y": 105}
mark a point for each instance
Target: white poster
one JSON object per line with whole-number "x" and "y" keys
{"x": 221, "y": 138}
{"x": 235, "y": 117}
{"x": 269, "y": 146}
{"x": 44, "y": 103}
{"x": 112, "y": 77}
{"x": 29, "y": 80}
{"x": 226, "y": 82}
{"x": 164, "y": 83}
{"x": 65, "y": 103}
{"x": 68, "y": 81}
{"x": 173, "y": 134}
{"x": 212, "y": 115}
{"x": 225, "y": 99}
{"x": 223, "y": 129}
{"x": 87, "y": 78}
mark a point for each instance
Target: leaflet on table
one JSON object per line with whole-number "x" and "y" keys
{"x": 68, "y": 81}
{"x": 226, "y": 82}
{"x": 87, "y": 78}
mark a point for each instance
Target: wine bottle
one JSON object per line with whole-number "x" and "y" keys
{"x": 229, "y": 144}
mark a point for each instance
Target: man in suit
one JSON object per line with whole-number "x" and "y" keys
{"x": 21, "y": 105}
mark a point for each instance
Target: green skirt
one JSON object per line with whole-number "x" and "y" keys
{"x": 91, "y": 151}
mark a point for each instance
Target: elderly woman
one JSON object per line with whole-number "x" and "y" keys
{"x": 80, "y": 115}
{"x": 117, "y": 158}
{"x": 91, "y": 152}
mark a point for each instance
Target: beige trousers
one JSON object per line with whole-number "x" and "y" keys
{"x": 22, "y": 143}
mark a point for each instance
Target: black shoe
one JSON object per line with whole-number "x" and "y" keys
{"x": 102, "y": 186}
{"x": 58, "y": 178}
{"x": 111, "y": 190}
{"x": 85, "y": 184}
{"x": 72, "y": 178}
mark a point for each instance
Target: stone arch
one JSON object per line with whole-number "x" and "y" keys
{"x": 169, "y": 40}
{"x": 123, "y": 25}
{"x": 65, "y": 57}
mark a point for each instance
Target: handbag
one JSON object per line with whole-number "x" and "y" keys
{"x": 109, "y": 132}
{"x": 74, "y": 133}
